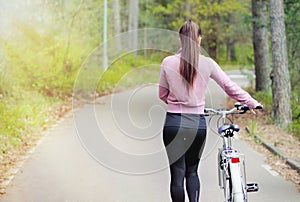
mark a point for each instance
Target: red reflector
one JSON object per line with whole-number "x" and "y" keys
{"x": 235, "y": 160}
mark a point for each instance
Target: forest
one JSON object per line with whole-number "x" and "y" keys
{"x": 46, "y": 46}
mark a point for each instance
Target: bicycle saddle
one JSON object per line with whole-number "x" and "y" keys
{"x": 229, "y": 128}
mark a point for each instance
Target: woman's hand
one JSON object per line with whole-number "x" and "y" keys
{"x": 252, "y": 111}
{"x": 259, "y": 106}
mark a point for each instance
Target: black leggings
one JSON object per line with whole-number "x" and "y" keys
{"x": 184, "y": 147}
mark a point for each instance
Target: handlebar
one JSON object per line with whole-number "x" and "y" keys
{"x": 237, "y": 109}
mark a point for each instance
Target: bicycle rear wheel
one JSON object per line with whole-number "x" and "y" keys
{"x": 227, "y": 185}
{"x": 237, "y": 183}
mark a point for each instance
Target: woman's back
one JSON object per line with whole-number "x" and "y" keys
{"x": 192, "y": 100}
{"x": 180, "y": 98}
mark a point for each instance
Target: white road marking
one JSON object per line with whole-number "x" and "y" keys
{"x": 270, "y": 170}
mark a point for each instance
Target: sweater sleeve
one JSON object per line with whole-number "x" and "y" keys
{"x": 163, "y": 85}
{"x": 230, "y": 87}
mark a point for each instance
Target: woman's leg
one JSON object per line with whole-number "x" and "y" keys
{"x": 174, "y": 143}
{"x": 192, "y": 159}
{"x": 184, "y": 148}
{"x": 177, "y": 170}
{"x": 192, "y": 183}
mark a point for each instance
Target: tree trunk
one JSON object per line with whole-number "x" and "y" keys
{"x": 212, "y": 42}
{"x": 231, "y": 56}
{"x": 260, "y": 44}
{"x": 281, "y": 86}
{"x": 188, "y": 7}
{"x": 105, "y": 57}
{"x": 133, "y": 23}
{"x": 117, "y": 23}
{"x": 230, "y": 41}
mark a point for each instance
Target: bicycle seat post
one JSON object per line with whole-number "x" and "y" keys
{"x": 226, "y": 142}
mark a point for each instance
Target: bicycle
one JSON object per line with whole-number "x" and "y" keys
{"x": 231, "y": 168}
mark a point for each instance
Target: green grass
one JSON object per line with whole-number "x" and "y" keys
{"x": 130, "y": 70}
{"x": 266, "y": 99}
{"x": 21, "y": 116}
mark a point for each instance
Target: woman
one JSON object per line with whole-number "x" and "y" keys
{"x": 182, "y": 84}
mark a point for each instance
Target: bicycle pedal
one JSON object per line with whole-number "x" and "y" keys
{"x": 252, "y": 187}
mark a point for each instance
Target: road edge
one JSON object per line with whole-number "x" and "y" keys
{"x": 292, "y": 163}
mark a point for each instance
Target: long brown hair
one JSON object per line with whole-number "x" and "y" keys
{"x": 189, "y": 33}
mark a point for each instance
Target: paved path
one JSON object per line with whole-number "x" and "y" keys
{"x": 112, "y": 151}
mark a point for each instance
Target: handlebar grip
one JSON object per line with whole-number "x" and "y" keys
{"x": 259, "y": 107}
{"x": 242, "y": 107}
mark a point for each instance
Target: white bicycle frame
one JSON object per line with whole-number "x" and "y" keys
{"x": 232, "y": 175}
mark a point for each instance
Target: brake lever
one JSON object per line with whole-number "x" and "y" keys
{"x": 243, "y": 112}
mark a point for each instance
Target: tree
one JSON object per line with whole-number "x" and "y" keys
{"x": 230, "y": 42}
{"x": 222, "y": 22}
{"x": 214, "y": 17}
{"x": 117, "y": 22}
{"x": 292, "y": 14}
{"x": 281, "y": 87}
{"x": 260, "y": 44}
{"x": 133, "y": 23}
{"x": 105, "y": 65}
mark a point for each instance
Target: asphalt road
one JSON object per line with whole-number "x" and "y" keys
{"x": 111, "y": 151}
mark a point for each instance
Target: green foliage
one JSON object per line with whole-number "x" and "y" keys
{"x": 252, "y": 128}
{"x": 265, "y": 98}
{"x": 46, "y": 68}
{"x": 39, "y": 72}
{"x": 130, "y": 70}
{"x": 292, "y": 16}
{"x": 295, "y": 104}
{"x": 23, "y": 113}
{"x": 244, "y": 55}
{"x": 221, "y": 21}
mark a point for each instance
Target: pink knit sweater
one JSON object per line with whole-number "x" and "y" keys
{"x": 173, "y": 91}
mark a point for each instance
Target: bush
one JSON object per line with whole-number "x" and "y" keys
{"x": 130, "y": 70}
{"x": 266, "y": 99}
{"x": 295, "y": 104}
{"x": 39, "y": 72}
